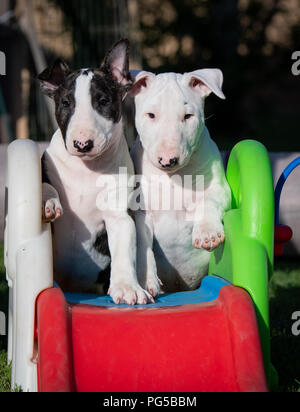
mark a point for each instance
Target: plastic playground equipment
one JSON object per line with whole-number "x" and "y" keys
{"x": 212, "y": 339}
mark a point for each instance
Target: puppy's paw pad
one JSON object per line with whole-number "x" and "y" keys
{"x": 51, "y": 211}
{"x": 208, "y": 238}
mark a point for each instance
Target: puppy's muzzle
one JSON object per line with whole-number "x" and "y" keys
{"x": 84, "y": 147}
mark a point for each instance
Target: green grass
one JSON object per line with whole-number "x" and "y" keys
{"x": 4, "y": 373}
{"x": 4, "y": 369}
{"x": 284, "y": 301}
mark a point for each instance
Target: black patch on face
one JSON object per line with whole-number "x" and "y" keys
{"x": 108, "y": 87}
{"x": 101, "y": 244}
{"x": 65, "y": 102}
{"x": 107, "y": 96}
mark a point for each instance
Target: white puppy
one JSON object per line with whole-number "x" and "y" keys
{"x": 174, "y": 245}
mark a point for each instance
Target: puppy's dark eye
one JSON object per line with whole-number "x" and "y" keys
{"x": 188, "y": 116}
{"x": 66, "y": 103}
{"x": 103, "y": 101}
{"x": 151, "y": 115}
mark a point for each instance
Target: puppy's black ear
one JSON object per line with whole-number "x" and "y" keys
{"x": 53, "y": 77}
{"x": 116, "y": 63}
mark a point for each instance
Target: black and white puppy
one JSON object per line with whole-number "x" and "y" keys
{"x": 91, "y": 246}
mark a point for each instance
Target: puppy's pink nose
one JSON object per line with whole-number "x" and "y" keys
{"x": 168, "y": 163}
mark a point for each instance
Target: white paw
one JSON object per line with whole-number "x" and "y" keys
{"x": 130, "y": 294}
{"x": 153, "y": 285}
{"x": 52, "y": 210}
{"x": 208, "y": 236}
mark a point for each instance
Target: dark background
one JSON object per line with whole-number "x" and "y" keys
{"x": 251, "y": 41}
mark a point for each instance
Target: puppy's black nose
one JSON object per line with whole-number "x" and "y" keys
{"x": 84, "y": 147}
{"x": 172, "y": 163}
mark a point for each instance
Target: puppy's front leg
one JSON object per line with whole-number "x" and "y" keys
{"x": 51, "y": 208}
{"x": 124, "y": 286}
{"x": 208, "y": 231}
{"x": 146, "y": 265}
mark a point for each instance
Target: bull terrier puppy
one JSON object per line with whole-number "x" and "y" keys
{"x": 174, "y": 245}
{"x": 91, "y": 246}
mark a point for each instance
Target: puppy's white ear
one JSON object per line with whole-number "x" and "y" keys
{"x": 141, "y": 82}
{"x": 206, "y": 81}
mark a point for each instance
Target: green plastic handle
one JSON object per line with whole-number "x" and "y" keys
{"x": 246, "y": 259}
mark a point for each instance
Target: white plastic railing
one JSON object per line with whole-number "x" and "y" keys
{"x": 28, "y": 257}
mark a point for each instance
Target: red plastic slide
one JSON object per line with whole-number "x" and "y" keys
{"x": 200, "y": 347}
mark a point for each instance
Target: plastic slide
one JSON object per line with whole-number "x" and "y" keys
{"x": 213, "y": 339}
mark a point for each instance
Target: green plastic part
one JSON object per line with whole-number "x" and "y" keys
{"x": 246, "y": 258}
